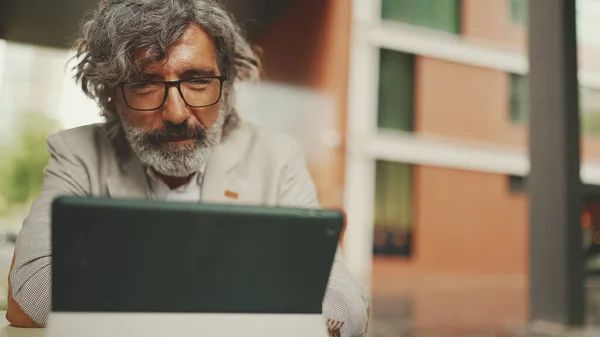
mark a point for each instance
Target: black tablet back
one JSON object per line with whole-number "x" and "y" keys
{"x": 113, "y": 255}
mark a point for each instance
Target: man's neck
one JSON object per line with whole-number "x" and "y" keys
{"x": 174, "y": 182}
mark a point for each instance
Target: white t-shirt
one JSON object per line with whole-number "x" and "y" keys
{"x": 190, "y": 192}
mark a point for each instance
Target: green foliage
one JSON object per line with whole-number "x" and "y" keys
{"x": 23, "y": 163}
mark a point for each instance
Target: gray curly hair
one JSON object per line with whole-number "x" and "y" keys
{"x": 119, "y": 28}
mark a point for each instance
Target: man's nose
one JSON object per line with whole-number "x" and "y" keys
{"x": 175, "y": 110}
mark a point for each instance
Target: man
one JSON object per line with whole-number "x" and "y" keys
{"x": 163, "y": 72}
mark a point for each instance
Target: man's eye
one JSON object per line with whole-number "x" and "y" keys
{"x": 140, "y": 85}
{"x": 143, "y": 87}
{"x": 200, "y": 82}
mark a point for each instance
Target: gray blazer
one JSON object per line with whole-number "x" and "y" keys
{"x": 258, "y": 166}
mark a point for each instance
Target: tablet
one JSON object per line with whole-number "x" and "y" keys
{"x": 115, "y": 255}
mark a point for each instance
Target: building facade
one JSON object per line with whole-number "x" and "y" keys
{"x": 437, "y": 155}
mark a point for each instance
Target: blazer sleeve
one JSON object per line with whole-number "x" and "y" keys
{"x": 345, "y": 306}
{"x": 29, "y": 298}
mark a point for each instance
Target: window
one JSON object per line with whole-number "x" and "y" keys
{"x": 589, "y": 105}
{"x": 517, "y": 184}
{"x": 518, "y": 12}
{"x": 519, "y": 98}
{"x": 396, "y": 90}
{"x": 441, "y": 15}
{"x": 393, "y": 209}
{"x": 31, "y": 90}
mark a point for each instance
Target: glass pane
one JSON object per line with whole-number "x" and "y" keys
{"x": 519, "y": 98}
{"x": 518, "y": 11}
{"x": 396, "y": 90}
{"x": 516, "y": 184}
{"x": 590, "y": 223}
{"x": 442, "y": 15}
{"x": 589, "y": 105}
{"x": 393, "y": 208}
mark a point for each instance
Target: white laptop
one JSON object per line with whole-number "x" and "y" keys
{"x": 124, "y": 268}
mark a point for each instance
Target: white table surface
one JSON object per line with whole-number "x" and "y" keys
{"x": 9, "y": 331}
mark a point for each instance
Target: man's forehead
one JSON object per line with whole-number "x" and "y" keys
{"x": 195, "y": 48}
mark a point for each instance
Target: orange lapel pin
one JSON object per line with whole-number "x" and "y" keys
{"x": 231, "y": 195}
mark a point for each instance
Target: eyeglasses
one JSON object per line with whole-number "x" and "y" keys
{"x": 151, "y": 95}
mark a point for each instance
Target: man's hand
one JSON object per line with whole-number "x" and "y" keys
{"x": 334, "y": 328}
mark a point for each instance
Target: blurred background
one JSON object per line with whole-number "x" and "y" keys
{"x": 413, "y": 115}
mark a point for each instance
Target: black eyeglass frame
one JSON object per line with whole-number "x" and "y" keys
{"x": 168, "y": 84}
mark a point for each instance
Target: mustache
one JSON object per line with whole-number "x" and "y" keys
{"x": 176, "y": 132}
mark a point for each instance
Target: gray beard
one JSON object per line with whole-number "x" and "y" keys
{"x": 171, "y": 159}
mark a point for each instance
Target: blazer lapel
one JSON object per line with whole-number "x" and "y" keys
{"x": 224, "y": 181}
{"x": 129, "y": 181}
